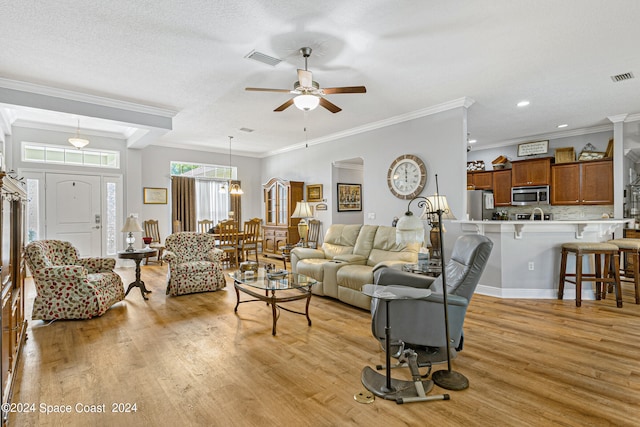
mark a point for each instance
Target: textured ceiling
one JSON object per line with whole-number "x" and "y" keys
{"x": 411, "y": 55}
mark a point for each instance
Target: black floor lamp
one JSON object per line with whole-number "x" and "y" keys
{"x": 411, "y": 229}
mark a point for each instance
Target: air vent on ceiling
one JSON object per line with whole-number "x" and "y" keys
{"x": 621, "y": 77}
{"x": 265, "y": 59}
{"x": 246, "y": 130}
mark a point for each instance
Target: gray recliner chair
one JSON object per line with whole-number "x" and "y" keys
{"x": 421, "y": 322}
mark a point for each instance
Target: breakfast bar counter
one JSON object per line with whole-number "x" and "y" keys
{"x": 525, "y": 261}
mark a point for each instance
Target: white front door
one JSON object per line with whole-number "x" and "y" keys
{"x": 73, "y": 211}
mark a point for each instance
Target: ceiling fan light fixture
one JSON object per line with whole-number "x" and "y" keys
{"x": 306, "y": 102}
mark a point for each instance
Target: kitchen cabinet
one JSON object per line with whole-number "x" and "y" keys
{"x": 280, "y": 200}
{"x": 531, "y": 172}
{"x": 480, "y": 180}
{"x": 12, "y": 274}
{"x": 502, "y": 187}
{"x": 582, "y": 183}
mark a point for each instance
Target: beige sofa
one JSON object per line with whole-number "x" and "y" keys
{"x": 348, "y": 257}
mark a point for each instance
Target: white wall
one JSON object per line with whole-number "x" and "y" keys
{"x": 439, "y": 140}
{"x": 155, "y": 166}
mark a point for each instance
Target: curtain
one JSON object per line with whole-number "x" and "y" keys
{"x": 211, "y": 204}
{"x": 183, "y": 202}
{"x": 236, "y": 205}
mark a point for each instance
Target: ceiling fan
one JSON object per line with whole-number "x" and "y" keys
{"x": 308, "y": 92}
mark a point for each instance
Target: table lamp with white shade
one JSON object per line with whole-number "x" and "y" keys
{"x": 302, "y": 211}
{"x": 131, "y": 225}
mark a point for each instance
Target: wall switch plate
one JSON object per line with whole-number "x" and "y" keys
{"x": 531, "y": 265}
{"x": 371, "y": 215}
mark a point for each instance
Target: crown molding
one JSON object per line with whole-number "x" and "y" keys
{"x": 71, "y": 129}
{"x": 464, "y": 102}
{"x": 551, "y": 135}
{"x": 618, "y": 118}
{"x": 632, "y": 118}
{"x": 348, "y": 165}
{"x": 83, "y": 97}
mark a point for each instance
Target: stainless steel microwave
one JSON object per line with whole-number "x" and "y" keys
{"x": 530, "y": 195}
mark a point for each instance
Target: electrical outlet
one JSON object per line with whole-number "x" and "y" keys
{"x": 371, "y": 215}
{"x": 531, "y": 265}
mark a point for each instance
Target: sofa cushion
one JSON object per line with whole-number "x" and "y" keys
{"x": 340, "y": 239}
{"x": 313, "y": 268}
{"x": 365, "y": 241}
{"x": 385, "y": 248}
{"x": 355, "y": 276}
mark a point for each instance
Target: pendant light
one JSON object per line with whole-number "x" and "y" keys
{"x": 76, "y": 141}
{"x": 233, "y": 188}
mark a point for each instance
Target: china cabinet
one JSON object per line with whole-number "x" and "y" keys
{"x": 12, "y": 274}
{"x": 280, "y": 199}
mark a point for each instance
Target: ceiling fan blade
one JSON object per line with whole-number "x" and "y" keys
{"x": 346, "y": 89}
{"x": 264, "y": 89}
{"x": 305, "y": 78}
{"x": 329, "y": 106}
{"x": 284, "y": 106}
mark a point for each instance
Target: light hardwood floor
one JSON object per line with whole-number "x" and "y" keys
{"x": 190, "y": 360}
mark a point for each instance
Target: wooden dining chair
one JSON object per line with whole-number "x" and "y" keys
{"x": 250, "y": 238}
{"x": 204, "y": 225}
{"x": 152, "y": 230}
{"x": 228, "y": 240}
{"x": 313, "y": 235}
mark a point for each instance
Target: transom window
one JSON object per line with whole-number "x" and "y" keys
{"x": 45, "y": 153}
{"x": 200, "y": 170}
{"x": 212, "y": 193}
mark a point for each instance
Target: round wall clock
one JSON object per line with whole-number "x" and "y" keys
{"x": 407, "y": 176}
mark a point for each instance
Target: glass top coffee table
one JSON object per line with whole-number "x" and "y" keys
{"x": 274, "y": 288}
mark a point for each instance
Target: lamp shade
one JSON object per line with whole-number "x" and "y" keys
{"x": 435, "y": 203}
{"x": 131, "y": 225}
{"x": 306, "y": 102}
{"x": 409, "y": 229}
{"x": 78, "y": 142}
{"x": 303, "y": 210}
{"x": 235, "y": 189}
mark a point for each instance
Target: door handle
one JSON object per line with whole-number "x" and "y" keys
{"x": 96, "y": 227}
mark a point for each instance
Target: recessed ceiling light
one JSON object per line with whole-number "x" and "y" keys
{"x": 564, "y": 125}
{"x": 473, "y": 141}
{"x": 523, "y": 103}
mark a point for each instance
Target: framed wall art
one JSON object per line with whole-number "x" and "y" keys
{"x": 533, "y": 148}
{"x": 349, "y": 197}
{"x": 321, "y": 207}
{"x": 154, "y": 196}
{"x": 314, "y": 192}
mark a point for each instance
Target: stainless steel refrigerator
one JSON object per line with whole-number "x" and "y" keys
{"x": 480, "y": 204}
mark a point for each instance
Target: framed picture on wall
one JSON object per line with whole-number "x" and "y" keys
{"x": 349, "y": 197}
{"x": 155, "y": 196}
{"x": 314, "y": 193}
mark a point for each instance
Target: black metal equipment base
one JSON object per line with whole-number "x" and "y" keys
{"x": 450, "y": 380}
{"x": 400, "y": 389}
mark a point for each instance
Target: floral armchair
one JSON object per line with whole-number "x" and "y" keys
{"x": 195, "y": 264}
{"x": 69, "y": 287}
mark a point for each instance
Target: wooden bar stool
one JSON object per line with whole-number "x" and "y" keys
{"x": 631, "y": 250}
{"x": 611, "y": 265}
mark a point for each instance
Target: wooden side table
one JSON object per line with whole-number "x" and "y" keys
{"x": 138, "y": 255}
